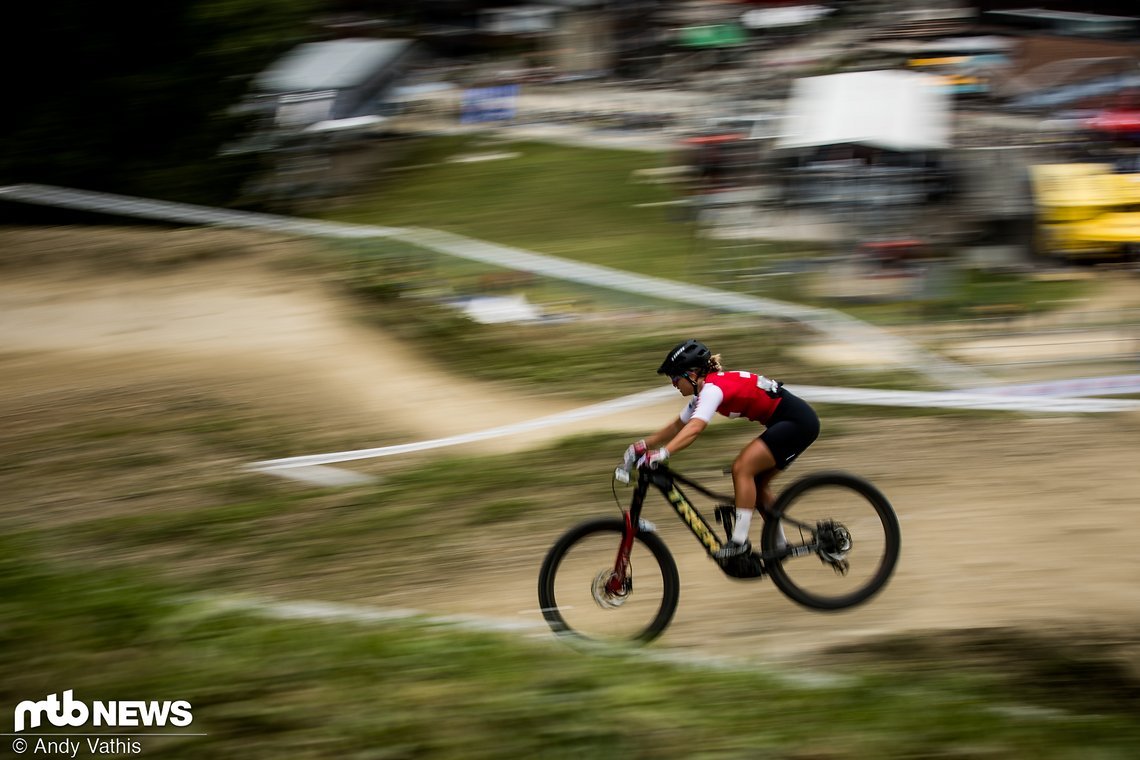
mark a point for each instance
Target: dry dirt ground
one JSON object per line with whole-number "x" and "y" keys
{"x": 1008, "y": 520}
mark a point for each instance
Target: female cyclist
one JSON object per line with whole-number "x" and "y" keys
{"x": 791, "y": 425}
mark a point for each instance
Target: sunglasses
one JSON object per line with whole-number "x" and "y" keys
{"x": 677, "y": 378}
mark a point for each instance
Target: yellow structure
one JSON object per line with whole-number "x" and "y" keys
{"x": 1086, "y": 210}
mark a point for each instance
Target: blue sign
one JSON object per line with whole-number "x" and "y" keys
{"x": 489, "y": 104}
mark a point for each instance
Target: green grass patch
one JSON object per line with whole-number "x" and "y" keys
{"x": 577, "y": 203}
{"x": 505, "y": 510}
{"x": 260, "y": 688}
{"x": 225, "y": 523}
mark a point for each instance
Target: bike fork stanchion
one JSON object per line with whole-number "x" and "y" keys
{"x": 619, "y": 581}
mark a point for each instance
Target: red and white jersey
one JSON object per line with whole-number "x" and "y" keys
{"x": 734, "y": 394}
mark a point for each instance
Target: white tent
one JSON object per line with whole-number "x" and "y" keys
{"x": 781, "y": 16}
{"x": 331, "y": 65}
{"x": 893, "y": 110}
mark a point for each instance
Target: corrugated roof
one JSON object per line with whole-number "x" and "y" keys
{"x": 330, "y": 65}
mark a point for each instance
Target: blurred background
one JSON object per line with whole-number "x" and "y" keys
{"x": 234, "y": 231}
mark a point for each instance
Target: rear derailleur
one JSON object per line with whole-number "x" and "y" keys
{"x": 834, "y": 542}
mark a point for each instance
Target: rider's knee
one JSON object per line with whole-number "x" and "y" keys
{"x": 742, "y": 469}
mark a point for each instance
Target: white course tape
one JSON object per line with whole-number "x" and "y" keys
{"x": 351, "y": 613}
{"x": 595, "y": 410}
{"x": 322, "y": 475}
{"x": 333, "y": 612}
{"x": 834, "y": 324}
{"x": 169, "y": 211}
{"x": 992, "y": 400}
{"x": 1089, "y": 386}
{"x": 963, "y": 400}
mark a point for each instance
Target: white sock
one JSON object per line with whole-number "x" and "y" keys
{"x": 743, "y": 523}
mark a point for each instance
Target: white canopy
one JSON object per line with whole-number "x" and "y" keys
{"x": 780, "y": 16}
{"x": 893, "y": 110}
{"x": 330, "y": 65}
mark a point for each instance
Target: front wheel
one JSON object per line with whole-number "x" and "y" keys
{"x": 576, "y": 595}
{"x": 843, "y": 537}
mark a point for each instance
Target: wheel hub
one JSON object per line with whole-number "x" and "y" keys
{"x": 609, "y": 593}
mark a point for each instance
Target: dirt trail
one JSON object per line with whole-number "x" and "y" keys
{"x": 1010, "y": 520}
{"x": 234, "y": 320}
{"x": 1005, "y": 523}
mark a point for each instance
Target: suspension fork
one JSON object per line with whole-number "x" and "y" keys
{"x": 620, "y": 581}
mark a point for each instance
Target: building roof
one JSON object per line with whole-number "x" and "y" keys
{"x": 894, "y": 110}
{"x": 1072, "y": 16}
{"x": 956, "y": 45}
{"x": 330, "y": 65}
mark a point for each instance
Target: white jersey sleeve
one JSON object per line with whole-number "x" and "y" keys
{"x": 704, "y": 406}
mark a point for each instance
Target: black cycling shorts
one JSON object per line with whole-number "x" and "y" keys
{"x": 794, "y": 426}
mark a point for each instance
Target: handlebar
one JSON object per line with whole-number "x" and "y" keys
{"x": 622, "y": 474}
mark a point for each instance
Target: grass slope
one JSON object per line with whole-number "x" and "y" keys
{"x": 262, "y": 689}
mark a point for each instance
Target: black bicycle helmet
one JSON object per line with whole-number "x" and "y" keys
{"x": 686, "y": 355}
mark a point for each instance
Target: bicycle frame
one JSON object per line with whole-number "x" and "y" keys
{"x": 665, "y": 480}
{"x": 825, "y": 502}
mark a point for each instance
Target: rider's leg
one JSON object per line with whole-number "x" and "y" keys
{"x": 755, "y": 458}
{"x": 786, "y": 438}
{"x": 764, "y": 497}
{"x": 764, "y": 500}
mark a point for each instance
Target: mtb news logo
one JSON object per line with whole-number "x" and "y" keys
{"x": 73, "y": 713}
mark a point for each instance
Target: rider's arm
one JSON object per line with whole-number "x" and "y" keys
{"x": 667, "y": 433}
{"x": 695, "y": 418}
{"x": 686, "y": 435}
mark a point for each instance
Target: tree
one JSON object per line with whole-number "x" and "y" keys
{"x": 138, "y": 97}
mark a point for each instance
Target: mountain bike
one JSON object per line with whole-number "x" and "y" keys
{"x": 829, "y": 542}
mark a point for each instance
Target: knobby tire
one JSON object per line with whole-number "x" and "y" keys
{"x": 615, "y": 526}
{"x": 892, "y": 539}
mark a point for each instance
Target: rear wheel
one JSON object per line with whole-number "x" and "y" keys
{"x": 845, "y": 538}
{"x": 578, "y": 598}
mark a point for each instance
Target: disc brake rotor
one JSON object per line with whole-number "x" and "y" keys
{"x": 604, "y": 596}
